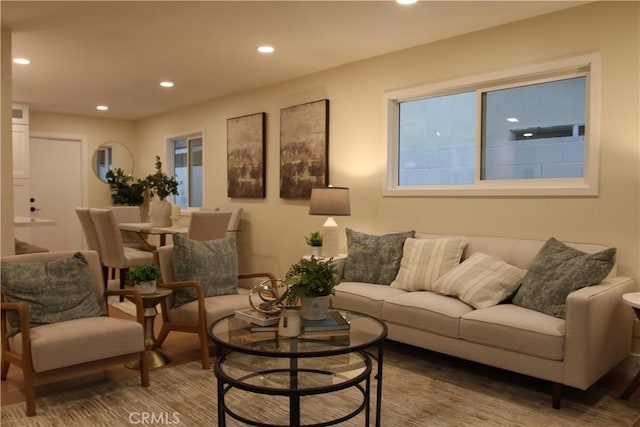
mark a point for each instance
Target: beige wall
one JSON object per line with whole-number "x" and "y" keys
{"x": 97, "y": 131}
{"x": 6, "y": 148}
{"x": 274, "y": 229}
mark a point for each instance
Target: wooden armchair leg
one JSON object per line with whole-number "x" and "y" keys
{"x": 162, "y": 335}
{"x": 29, "y": 392}
{"x": 5, "y": 369}
{"x": 556, "y": 395}
{"x": 204, "y": 348}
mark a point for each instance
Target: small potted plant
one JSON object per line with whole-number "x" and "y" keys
{"x": 314, "y": 239}
{"x": 312, "y": 281}
{"x": 144, "y": 277}
{"x": 163, "y": 186}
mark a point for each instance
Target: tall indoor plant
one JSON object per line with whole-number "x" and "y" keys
{"x": 161, "y": 185}
{"x": 312, "y": 280}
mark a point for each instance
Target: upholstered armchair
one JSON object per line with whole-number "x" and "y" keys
{"x": 201, "y": 310}
{"x": 69, "y": 328}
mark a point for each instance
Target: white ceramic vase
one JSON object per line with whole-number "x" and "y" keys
{"x": 148, "y": 287}
{"x": 315, "y": 308}
{"x": 160, "y": 211}
{"x": 315, "y": 251}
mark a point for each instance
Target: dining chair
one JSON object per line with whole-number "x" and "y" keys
{"x": 131, "y": 214}
{"x": 90, "y": 234}
{"x": 206, "y": 225}
{"x": 234, "y": 221}
{"x": 66, "y": 340}
{"x": 113, "y": 253}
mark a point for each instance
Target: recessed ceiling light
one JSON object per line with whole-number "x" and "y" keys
{"x": 21, "y": 61}
{"x": 513, "y": 119}
{"x": 166, "y": 84}
{"x": 527, "y": 135}
{"x": 102, "y": 108}
{"x": 406, "y": 1}
{"x": 266, "y": 49}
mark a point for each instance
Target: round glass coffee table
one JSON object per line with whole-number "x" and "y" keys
{"x": 258, "y": 361}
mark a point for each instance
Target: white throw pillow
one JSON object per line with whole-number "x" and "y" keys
{"x": 425, "y": 260}
{"x": 481, "y": 280}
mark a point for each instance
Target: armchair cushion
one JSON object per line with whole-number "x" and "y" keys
{"x": 54, "y": 291}
{"x": 212, "y": 263}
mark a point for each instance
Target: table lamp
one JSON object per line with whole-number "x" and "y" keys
{"x": 330, "y": 201}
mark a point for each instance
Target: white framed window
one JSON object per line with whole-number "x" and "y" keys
{"x": 531, "y": 131}
{"x": 184, "y": 154}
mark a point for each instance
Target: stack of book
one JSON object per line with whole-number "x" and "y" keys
{"x": 335, "y": 326}
{"x": 257, "y": 318}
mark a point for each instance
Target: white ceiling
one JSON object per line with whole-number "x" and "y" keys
{"x": 116, "y": 53}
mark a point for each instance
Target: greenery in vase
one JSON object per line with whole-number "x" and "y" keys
{"x": 126, "y": 190}
{"x": 143, "y": 273}
{"x": 160, "y": 183}
{"x": 311, "y": 277}
{"x": 314, "y": 238}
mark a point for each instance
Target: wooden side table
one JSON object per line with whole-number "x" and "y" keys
{"x": 149, "y": 302}
{"x": 633, "y": 299}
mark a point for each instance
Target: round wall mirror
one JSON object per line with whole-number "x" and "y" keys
{"x": 111, "y": 155}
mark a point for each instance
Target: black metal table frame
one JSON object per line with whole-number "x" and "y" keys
{"x": 225, "y": 383}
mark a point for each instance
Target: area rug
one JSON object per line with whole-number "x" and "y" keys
{"x": 420, "y": 388}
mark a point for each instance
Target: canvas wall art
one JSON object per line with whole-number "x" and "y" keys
{"x": 246, "y": 156}
{"x": 304, "y": 145}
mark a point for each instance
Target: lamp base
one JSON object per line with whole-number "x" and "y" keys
{"x": 330, "y": 238}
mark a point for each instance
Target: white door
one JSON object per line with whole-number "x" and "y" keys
{"x": 57, "y": 168}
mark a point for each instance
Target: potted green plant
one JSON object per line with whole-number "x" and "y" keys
{"x": 312, "y": 281}
{"x": 314, "y": 239}
{"x": 144, "y": 277}
{"x": 125, "y": 189}
{"x": 160, "y": 184}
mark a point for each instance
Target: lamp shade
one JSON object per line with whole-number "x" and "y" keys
{"x": 331, "y": 201}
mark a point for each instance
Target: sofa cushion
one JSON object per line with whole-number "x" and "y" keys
{"x": 53, "y": 291}
{"x": 517, "y": 329}
{"x": 212, "y": 263}
{"x": 426, "y": 260}
{"x": 426, "y": 311}
{"x": 557, "y": 271}
{"x": 363, "y": 297}
{"x": 481, "y": 280}
{"x": 373, "y": 259}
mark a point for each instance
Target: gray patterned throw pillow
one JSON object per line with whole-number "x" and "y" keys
{"x": 374, "y": 259}
{"x": 212, "y": 263}
{"x": 557, "y": 271}
{"x": 55, "y": 291}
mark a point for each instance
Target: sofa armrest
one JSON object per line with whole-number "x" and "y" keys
{"x": 598, "y": 331}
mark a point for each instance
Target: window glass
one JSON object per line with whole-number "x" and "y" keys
{"x": 187, "y": 168}
{"x": 437, "y": 140}
{"x": 534, "y": 131}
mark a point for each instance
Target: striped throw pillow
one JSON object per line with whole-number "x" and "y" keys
{"x": 481, "y": 280}
{"x": 425, "y": 260}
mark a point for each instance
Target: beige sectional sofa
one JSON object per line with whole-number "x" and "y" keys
{"x": 594, "y": 336}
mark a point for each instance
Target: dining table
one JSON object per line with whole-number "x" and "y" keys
{"x": 145, "y": 229}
